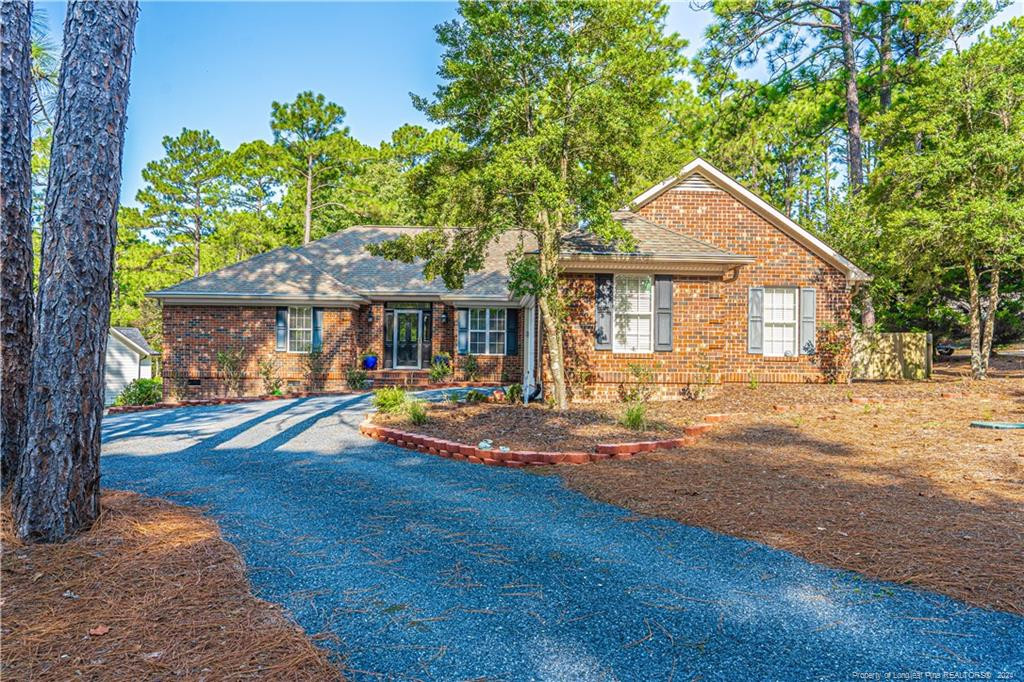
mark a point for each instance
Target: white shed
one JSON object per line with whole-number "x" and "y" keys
{"x": 129, "y": 357}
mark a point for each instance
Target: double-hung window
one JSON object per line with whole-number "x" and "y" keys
{"x": 487, "y": 331}
{"x": 632, "y": 311}
{"x": 780, "y": 321}
{"x": 300, "y": 329}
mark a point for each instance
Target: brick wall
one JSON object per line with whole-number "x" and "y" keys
{"x": 193, "y": 334}
{"x": 709, "y": 316}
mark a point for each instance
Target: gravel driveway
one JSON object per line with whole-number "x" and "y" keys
{"x": 428, "y": 568}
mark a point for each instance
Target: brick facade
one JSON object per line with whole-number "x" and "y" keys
{"x": 193, "y": 334}
{"x": 709, "y": 317}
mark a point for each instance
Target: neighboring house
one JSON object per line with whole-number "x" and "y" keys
{"x": 720, "y": 285}
{"x": 129, "y": 357}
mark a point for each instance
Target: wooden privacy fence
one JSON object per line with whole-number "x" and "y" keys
{"x": 893, "y": 356}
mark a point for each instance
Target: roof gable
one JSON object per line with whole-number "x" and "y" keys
{"x": 699, "y": 175}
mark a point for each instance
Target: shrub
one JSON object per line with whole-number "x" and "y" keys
{"x": 389, "y": 400}
{"x": 141, "y": 392}
{"x": 641, "y": 389}
{"x": 417, "y": 412}
{"x": 475, "y": 396}
{"x": 635, "y": 416}
{"x": 314, "y": 366}
{"x": 440, "y": 370}
{"x": 356, "y": 379}
{"x": 268, "y": 374}
{"x": 471, "y": 368}
{"x": 514, "y": 393}
{"x": 229, "y": 369}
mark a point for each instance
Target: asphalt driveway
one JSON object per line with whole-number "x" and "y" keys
{"x": 428, "y": 568}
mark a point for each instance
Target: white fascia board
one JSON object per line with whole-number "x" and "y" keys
{"x": 255, "y": 300}
{"x": 759, "y": 206}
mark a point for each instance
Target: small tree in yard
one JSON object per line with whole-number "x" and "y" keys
{"x": 552, "y": 100}
{"x": 57, "y": 489}
{"x": 231, "y": 369}
{"x": 950, "y": 190}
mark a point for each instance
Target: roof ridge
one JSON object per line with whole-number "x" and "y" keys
{"x": 315, "y": 266}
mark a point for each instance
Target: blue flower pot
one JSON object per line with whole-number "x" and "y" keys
{"x": 440, "y": 358}
{"x": 370, "y": 362}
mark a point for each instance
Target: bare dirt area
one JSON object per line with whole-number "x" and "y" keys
{"x": 152, "y": 591}
{"x": 903, "y": 491}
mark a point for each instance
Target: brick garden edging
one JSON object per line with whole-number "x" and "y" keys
{"x": 520, "y": 458}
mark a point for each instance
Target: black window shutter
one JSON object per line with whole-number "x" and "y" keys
{"x": 463, "y": 331}
{"x": 282, "y": 329}
{"x": 603, "y": 285}
{"x": 662, "y": 313}
{"x": 318, "y": 328}
{"x": 512, "y": 331}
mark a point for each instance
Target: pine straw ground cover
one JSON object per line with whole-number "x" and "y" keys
{"x": 903, "y": 491}
{"x": 152, "y": 591}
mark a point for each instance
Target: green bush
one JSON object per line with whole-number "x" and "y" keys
{"x": 475, "y": 396}
{"x": 141, "y": 392}
{"x": 356, "y": 379}
{"x": 417, "y": 412}
{"x": 314, "y": 367}
{"x": 231, "y": 369}
{"x": 514, "y": 393}
{"x": 635, "y": 416}
{"x": 440, "y": 371}
{"x": 268, "y": 374}
{"x": 471, "y": 368}
{"x": 389, "y": 400}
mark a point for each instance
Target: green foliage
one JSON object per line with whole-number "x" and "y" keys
{"x": 141, "y": 392}
{"x": 186, "y": 193}
{"x": 514, "y": 394}
{"x": 440, "y": 370}
{"x": 471, "y": 368}
{"x": 268, "y": 370}
{"x": 475, "y": 396}
{"x": 641, "y": 386}
{"x": 416, "y": 410}
{"x": 356, "y": 378}
{"x": 231, "y": 369}
{"x": 635, "y": 416}
{"x": 389, "y": 400}
{"x": 314, "y": 367}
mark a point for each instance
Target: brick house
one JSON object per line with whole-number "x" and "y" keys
{"x": 720, "y": 287}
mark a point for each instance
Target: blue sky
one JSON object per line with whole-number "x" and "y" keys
{"x": 219, "y": 66}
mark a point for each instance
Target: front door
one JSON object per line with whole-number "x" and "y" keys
{"x": 407, "y": 339}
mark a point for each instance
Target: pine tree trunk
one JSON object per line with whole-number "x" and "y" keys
{"x": 57, "y": 490}
{"x": 555, "y": 354}
{"x": 15, "y": 231}
{"x": 990, "y": 323}
{"x": 853, "y": 138}
{"x": 974, "y": 288}
{"x": 308, "y": 222}
{"x": 885, "y": 58}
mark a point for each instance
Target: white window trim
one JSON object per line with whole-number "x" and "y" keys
{"x": 486, "y": 331}
{"x": 300, "y": 329}
{"x": 616, "y": 348}
{"x": 795, "y": 324}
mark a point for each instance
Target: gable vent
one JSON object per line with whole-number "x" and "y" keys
{"x": 697, "y": 183}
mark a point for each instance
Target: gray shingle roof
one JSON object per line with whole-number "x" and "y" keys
{"x": 338, "y": 267}
{"x": 282, "y": 273}
{"x": 652, "y": 241}
{"x": 135, "y": 336}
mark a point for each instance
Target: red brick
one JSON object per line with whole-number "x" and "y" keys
{"x": 697, "y": 429}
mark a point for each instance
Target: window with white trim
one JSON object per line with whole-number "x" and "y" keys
{"x": 632, "y": 312}
{"x": 487, "y": 331}
{"x": 300, "y": 329}
{"x": 780, "y": 321}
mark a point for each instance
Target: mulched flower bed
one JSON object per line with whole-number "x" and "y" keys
{"x": 152, "y": 591}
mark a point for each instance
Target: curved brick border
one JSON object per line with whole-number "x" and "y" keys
{"x": 520, "y": 458}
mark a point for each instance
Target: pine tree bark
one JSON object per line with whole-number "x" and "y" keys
{"x": 57, "y": 489}
{"x": 990, "y": 322}
{"x": 307, "y": 223}
{"x": 15, "y": 231}
{"x": 854, "y": 143}
{"x": 978, "y": 368}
